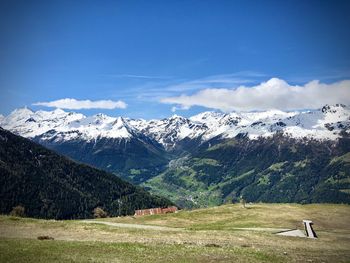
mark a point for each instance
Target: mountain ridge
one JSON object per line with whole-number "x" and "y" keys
{"x": 324, "y": 123}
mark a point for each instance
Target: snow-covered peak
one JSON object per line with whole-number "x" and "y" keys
{"x": 22, "y": 111}
{"x": 138, "y": 124}
{"x": 58, "y": 112}
{"x": 20, "y": 114}
{"x": 27, "y": 123}
{"x": 325, "y": 123}
{"x": 206, "y": 116}
{"x": 98, "y": 126}
{"x": 119, "y": 122}
{"x": 270, "y": 114}
{"x": 170, "y": 130}
{"x": 175, "y": 116}
{"x": 122, "y": 129}
{"x": 102, "y": 117}
{"x": 177, "y": 120}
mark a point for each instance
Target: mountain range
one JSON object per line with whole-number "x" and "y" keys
{"x": 209, "y": 158}
{"x": 58, "y": 125}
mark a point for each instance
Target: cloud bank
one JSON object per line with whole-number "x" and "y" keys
{"x": 273, "y": 94}
{"x": 73, "y": 104}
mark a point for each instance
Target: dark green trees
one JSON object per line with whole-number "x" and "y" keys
{"x": 49, "y": 185}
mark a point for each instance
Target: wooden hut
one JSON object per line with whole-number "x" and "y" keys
{"x": 155, "y": 211}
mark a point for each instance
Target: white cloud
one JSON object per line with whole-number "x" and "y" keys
{"x": 273, "y": 94}
{"x": 74, "y": 104}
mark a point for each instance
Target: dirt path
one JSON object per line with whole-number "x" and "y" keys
{"x": 265, "y": 229}
{"x": 138, "y": 226}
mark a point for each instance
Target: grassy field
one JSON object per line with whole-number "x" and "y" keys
{"x": 228, "y": 233}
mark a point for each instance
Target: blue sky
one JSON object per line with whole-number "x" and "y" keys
{"x": 158, "y": 57}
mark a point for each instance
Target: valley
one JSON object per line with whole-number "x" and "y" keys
{"x": 276, "y": 169}
{"x": 211, "y": 158}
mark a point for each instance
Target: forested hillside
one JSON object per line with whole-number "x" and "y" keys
{"x": 49, "y": 185}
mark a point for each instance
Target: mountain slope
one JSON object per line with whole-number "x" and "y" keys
{"x": 49, "y": 185}
{"x": 277, "y": 169}
{"x": 105, "y": 142}
{"x": 126, "y": 157}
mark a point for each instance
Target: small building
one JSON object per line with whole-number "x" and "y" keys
{"x": 155, "y": 211}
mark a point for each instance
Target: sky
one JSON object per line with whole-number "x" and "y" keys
{"x": 153, "y": 59}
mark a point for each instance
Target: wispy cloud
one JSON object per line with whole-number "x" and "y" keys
{"x": 157, "y": 90}
{"x": 324, "y": 76}
{"x": 222, "y": 80}
{"x": 272, "y": 94}
{"x": 74, "y": 104}
{"x": 136, "y": 76}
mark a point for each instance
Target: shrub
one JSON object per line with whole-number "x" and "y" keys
{"x": 45, "y": 238}
{"x": 99, "y": 213}
{"x": 18, "y": 211}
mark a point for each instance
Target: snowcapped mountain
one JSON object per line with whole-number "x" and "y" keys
{"x": 325, "y": 123}
{"x": 230, "y": 150}
{"x": 170, "y": 131}
{"x": 106, "y": 142}
{"x": 91, "y": 129}
{"x": 29, "y": 124}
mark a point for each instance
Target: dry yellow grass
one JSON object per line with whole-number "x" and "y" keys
{"x": 328, "y": 217}
{"x": 213, "y": 231}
